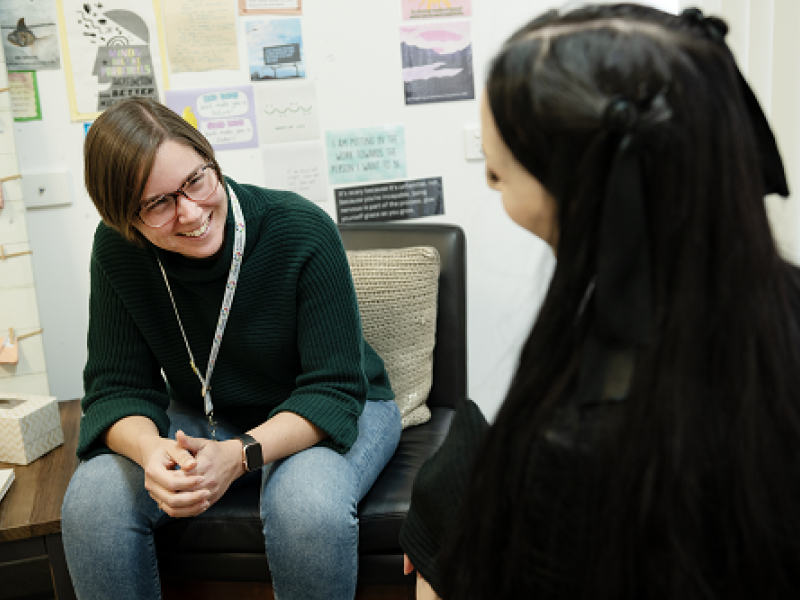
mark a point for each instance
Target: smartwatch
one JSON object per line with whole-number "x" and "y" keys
{"x": 253, "y": 459}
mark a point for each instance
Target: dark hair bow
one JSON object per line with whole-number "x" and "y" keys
{"x": 772, "y": 170}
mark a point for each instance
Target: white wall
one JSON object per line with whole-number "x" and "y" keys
{"x": 353, "y": 53}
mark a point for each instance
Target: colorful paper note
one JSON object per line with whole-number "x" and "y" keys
{"x": 287, "y": 112}
{"x": 299, "y": 168}
{"x": 112, "y": 51}
{"x": 201, "y": 35}
{"x": 24, "y": 96}
{"x": 368, "y": 154}
{"x": 30, "y": 34}
{"x": 437, "y": 62}
{"x": 275, "y": 49}
{"x": 394, "y": 201}
{"x": 224, "y": 115}
{"x": 270, "y": 7}
{"x": 427, "y": 9}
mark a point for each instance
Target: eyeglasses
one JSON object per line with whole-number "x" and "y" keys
{"x": 200, "y": 186}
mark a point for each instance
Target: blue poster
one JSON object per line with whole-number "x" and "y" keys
{"x": 367, "y": 154}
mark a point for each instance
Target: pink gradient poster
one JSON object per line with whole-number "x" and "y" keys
{"x": 427, "y": 9}
{"x": 437, "y": 62}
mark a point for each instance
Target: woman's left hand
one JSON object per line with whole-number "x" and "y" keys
{"x": 220, "y": 463}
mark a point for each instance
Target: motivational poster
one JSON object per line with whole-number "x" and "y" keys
{"x": 112, "y": 51}
{"x": 437, "y": 62}
{"x": 429, "y": 9}
{"x": 367, "y": 154}
{"x": 24, "y": 92}
{"x": 394, "y": 201}
{"x": 225, "y": 116}
{"x": 30, "y": 34}
{"x": 299, "y": 168}
{"x": 274, "y": 49}
{"x": 201, "y": 35}
{"x": 287, "y": 112}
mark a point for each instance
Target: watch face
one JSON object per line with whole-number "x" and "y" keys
{"x": 254, "y": 458}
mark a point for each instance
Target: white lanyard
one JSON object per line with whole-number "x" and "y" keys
{"x": 230, "y": 289}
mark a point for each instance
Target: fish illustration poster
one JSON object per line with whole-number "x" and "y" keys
{"x": 437, "y": 62}
{"x": 226, "y": 116}
{"x": 113, "y": 49}
{"x": 274, "y": 49}
{"x": 30, "y": 34}
{"x": 287, "y": 112}
{"x": 427, "y": 9}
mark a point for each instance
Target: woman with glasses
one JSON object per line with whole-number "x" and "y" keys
{"x": 224, "y": 340}
{"x": 648, "y": 444}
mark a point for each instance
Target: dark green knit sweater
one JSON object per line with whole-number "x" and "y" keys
{"x": 293, "y": 340}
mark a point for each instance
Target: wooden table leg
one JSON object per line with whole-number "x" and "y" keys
{"x": 58, "y": 568}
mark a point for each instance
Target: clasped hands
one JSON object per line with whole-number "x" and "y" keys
{"x": 187, "y": 475}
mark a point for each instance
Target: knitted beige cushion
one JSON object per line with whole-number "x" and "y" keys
{"x": 397, "y": 292}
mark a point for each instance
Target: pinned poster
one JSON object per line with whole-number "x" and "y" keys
{"x": 429, "y": 9}
{"x": 299, "y": 168}
{"x": 24, "y": 92}
{"x": 113, "y": 49}
{"x": 437, "y": 62}
{"x": 393, "y": 201}
{"x": 30, "y": 34}
{"x": 201, "y": 36}
{"x": 270, "y": 7}
{"x": 274, "y": 49}
{"x": 287, "y": 112}
{"x": 368, "y": 154}
{"x": 225, "y": 116}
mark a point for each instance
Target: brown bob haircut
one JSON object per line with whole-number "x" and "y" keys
{"x": 119, "y": 153}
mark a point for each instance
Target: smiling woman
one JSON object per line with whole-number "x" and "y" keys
{"x": 185, "y": 258}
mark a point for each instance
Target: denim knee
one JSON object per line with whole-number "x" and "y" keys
{"x": 308, "y": 510}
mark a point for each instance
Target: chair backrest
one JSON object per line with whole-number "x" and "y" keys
{"x": 450, "y": 353}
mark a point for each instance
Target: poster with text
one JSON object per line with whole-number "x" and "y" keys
{"x": 367, "y": 154}
{"x": 112, "y": 50}
{"x": 24, "y": 90}
{"x": 274, "y": 49}
{"x": 30, "y": 34}
{"x": 270, "y": 7}
{"x": 299, "y": 168}
{"x": 201, "y": 36}
{"x": 428, "y": 9}
{"x": 393, "y": 201}
{"x": 287, "y": 112}
{"x": 226, "y": 116}
{"x": 437, "y": 62}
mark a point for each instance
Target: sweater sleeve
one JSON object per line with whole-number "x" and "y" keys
{"x": 121, "y": 377}
{"x": 332, "y": 386}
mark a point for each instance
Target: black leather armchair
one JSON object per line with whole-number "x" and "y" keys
{"x": 226, "y": 542}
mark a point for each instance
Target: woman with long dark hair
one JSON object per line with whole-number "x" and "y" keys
{"x": 648, "y": 445}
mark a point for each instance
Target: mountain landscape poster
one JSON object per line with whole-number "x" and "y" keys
{"x": 437, "y": 62}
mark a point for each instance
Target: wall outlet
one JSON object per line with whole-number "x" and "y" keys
{"x": 41, "y": 190}
{"x": 473, "y": 144}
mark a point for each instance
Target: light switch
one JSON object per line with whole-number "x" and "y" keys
{"x": 473, "y": 145}
{"x": 41, "y": 190}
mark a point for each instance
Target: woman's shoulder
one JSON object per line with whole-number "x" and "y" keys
{"x": 283, "y": 211}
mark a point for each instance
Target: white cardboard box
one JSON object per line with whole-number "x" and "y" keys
{"x": 30, "y": 426}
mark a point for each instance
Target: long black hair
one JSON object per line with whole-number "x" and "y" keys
{"x": 688, "y": 488}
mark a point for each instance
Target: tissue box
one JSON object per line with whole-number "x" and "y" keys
{"x": 30, "y": 426}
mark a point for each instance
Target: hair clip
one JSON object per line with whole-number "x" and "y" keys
{"x": 620, "y": 116}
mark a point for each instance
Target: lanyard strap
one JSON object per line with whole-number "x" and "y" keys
{"x": 230, "y": 289}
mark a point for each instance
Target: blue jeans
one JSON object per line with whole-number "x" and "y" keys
{"x": 308, "y": 507}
